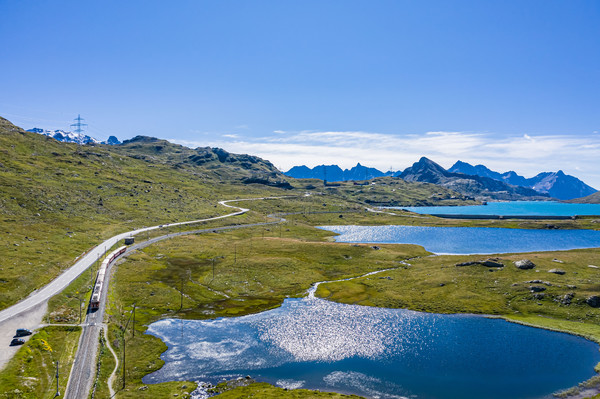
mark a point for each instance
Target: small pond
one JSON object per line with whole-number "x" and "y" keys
{"x": 512, "y": 208}
{"x": 375, "y": 352}
{"x": 470, "y": 240}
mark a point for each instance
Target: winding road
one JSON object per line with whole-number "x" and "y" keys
{"x": 31, "y": 310}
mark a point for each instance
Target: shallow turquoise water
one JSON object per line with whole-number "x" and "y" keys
{"x": 376, "y": 352}
{"x": 513, "y": 208}
{"x": 470, "y": 240}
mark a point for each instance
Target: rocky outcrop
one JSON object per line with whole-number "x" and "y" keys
{"x": 524, "y": 264}
{"x": 536, "y": 288}
{"x": 565, "y": 299}
{"x": 492, "y": 262}
{"x": 593, "y": 301}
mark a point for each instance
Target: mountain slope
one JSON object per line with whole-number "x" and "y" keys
{"x": 590, "y": 199}
{"x": 556, "y": 184}
{"x": 560, "y": 185}
{"x": 57, "y": 199}
{"x": 480, "y": 187}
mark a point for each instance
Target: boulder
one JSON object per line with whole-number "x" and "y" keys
{"x": 467, "y": 264}
{"x": 593, "y": 301}
{"x": 557, "y": 271}
{"x": 524, "y": 264}
{"x": 492, "y": 263}
{"x": 535, "y": 288}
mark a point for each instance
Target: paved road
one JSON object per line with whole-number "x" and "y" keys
{"x": 61, "y": 282}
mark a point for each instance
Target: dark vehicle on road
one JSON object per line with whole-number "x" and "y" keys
{"x": 21, "y": 332}
{"x": 17, "y": 341}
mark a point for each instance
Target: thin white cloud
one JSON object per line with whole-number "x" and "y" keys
{"x": 526, "y": 154}
{"x": 231, "y": 136}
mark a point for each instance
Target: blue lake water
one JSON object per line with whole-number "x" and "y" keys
{"x": 376, "y": 352}
{"x": 470, "y": 240}
{"x": 513, "y": 208}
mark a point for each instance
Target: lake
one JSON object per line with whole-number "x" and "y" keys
{"x": 513, "y": 208}
{"x": 469, "y": 240}
{"x": 376, "y": 352}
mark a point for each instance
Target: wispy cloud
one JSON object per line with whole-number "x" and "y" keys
{"x": 526, "y": 154}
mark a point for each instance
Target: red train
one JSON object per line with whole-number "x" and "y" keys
{"x": 99, "y": 285}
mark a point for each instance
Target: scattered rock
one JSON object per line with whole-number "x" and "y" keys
{"x": 593, "y": 301}
{"x": 566, "y": 299}
{"x": 594, "y": 267}
{"x": 535, "y": 288}
{"x": 557, "y": 271}
{"x": 539, "y": 297}
{"x": 573, "y": 287}
{"x": 549, "y": 284}
{"x": 375, "y": 247}
{"x": 557, "y": 261}
{"x": 524, "y": 264}
{"x": 144, "y": 388}
{"x": 442, "y": 284}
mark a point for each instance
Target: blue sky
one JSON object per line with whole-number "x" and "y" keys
{"x": 511, "y": 84}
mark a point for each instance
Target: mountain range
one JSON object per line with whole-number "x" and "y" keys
{"x": 333, "y": 173}
{"x": 482, "y": 188}
{"x": 472, "y": 179}
{"x": 556, "y": 184}
{"x": 70, "y": 137}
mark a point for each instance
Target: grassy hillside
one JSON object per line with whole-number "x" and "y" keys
{"x": 590, "y": 199}
{"x": 58, "y": 199}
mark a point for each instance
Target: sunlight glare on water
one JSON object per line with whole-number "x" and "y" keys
{"x": 375, "y": 352}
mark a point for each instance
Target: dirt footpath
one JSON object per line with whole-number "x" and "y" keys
{"x": 30, "y": 319}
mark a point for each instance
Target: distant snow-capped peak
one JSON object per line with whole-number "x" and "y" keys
{"x": 71, "y": 137}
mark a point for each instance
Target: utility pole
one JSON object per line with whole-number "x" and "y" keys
{"x": 124, "y": 332}
{"x": 213, "y": 267}
{"x": 181, "y": 300}
{"x": 78, "y": 128}
{"x": 57, "y": 391}
{"x": 133, "y": 326}
{"x": 80, "y": 302}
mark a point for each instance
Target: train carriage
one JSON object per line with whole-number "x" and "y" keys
{"x": 99, "y": 284}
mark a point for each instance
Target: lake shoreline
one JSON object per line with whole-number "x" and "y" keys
{"x": 574, "y": 391}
